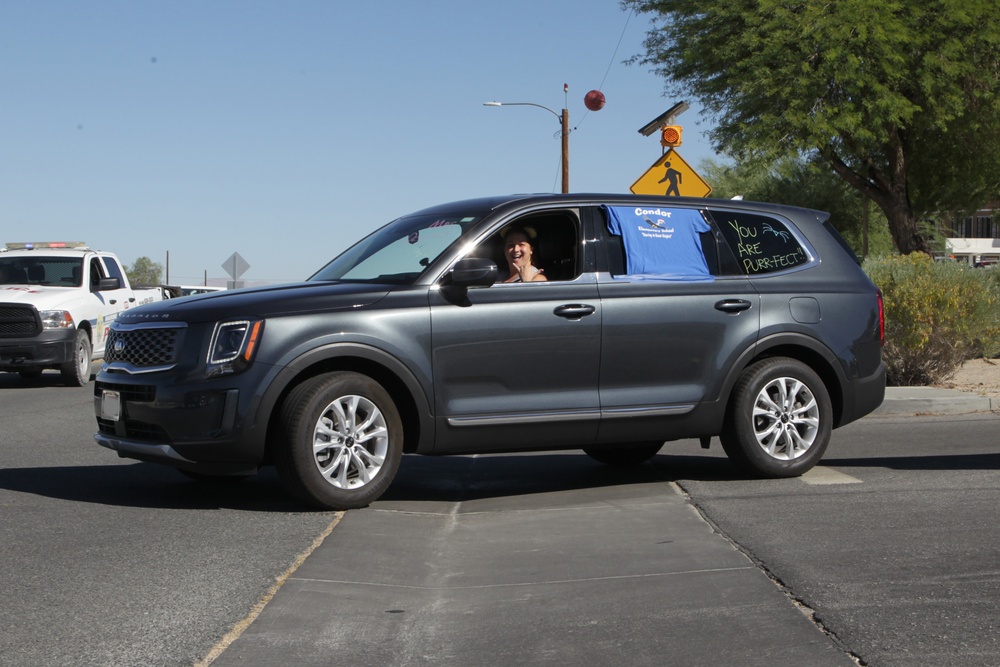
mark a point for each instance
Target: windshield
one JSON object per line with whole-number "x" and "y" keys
{"x": 399, "y": 252}
{"x": 41, "y": 270}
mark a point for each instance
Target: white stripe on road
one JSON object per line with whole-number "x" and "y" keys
{"x": 821, "y": 475}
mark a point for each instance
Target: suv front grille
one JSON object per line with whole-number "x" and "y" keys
{"x": 143, "y": 347}
{"x": 17, "y": 320}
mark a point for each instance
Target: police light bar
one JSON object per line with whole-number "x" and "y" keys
{"x": 46, "y": 244}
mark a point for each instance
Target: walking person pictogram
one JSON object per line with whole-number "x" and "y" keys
{"x": 674, "y": 177}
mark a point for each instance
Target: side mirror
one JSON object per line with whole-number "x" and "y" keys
{"x": 472, "y": 272}
{"x": 107, "y": 284}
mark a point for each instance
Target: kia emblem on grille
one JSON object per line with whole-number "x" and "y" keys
{"x": 119, "y": 346}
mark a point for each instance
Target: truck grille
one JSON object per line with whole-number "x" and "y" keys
{"x": 143, "y": 348}
{"x": 17, "y": 320}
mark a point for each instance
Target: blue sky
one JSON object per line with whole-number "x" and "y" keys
{"x": 286, "y": 131}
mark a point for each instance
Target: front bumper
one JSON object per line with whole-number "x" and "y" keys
{"x": 196, "y": 425}
{"x": 144, "y": 451}
{"x": 50, "y": 349}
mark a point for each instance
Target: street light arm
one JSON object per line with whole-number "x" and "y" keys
{"x": 523, "y": 104}
{"x": 563, "y": 119}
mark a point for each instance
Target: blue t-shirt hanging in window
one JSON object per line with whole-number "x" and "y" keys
{"x": 661, "y": 242}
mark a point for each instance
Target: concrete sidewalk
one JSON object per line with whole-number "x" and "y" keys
{"x": 530, "y": 560}
{"x": 557, "y": 562}
{"x": 933, "y": 401}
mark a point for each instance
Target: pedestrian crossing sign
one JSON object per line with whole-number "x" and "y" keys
{"x": 671, "y": 176}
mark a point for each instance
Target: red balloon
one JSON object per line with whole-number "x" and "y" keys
{"x": 594, "y": 100}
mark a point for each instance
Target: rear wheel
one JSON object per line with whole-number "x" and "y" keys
{"x": 779, "y": 419}
{"x": 628, "y": 454}
{"x": 76, "y": 372}
{"x": 343, "y": 440}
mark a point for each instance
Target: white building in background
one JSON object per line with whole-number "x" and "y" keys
{"x": 976, "y": 238}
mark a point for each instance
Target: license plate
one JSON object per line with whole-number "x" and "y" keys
{"x": 111, "y": 405}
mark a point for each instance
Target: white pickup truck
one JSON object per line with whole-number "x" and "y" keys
{"x": 57, "y": 301}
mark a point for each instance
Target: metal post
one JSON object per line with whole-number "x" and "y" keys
{"x": 565, "y": 151}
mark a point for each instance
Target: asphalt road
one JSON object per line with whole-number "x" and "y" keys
{"x": 885, "y": 555}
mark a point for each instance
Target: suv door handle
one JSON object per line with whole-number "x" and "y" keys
{"x": 574, "y": 311}
{"x": 732, "y": 305}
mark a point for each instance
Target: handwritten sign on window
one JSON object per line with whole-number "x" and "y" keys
{"x": 762, "y": 244}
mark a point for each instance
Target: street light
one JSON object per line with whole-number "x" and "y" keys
{"x": 564, "y": 121}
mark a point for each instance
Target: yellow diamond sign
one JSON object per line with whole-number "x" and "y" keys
{"x": 671, "y": 176}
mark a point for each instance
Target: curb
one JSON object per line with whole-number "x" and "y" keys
{"x": 933, "y": 401}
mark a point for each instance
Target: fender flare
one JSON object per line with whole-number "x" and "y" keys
{"x": 299, "y": 367}
{"x": 833, "y": 369}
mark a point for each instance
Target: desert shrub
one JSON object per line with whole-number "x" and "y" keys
{"x": 991, "y": 283}
{"x": 938, "y": 314}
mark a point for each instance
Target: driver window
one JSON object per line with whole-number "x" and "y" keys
{"x": 96, "y": 273}
{"x": 553, "y": 240}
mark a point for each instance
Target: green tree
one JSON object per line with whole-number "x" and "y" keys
{"x": 144, "y": 272}
{"x": 901, "y": 98}
{"x": 809, "y": 183}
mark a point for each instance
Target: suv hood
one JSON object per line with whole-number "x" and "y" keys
{"x": 258, "y": 302}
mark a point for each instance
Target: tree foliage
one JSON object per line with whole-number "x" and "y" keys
{"x": 144, "y": 271}
{"x": 901, "y": 98}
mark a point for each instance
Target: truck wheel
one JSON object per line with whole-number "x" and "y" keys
{"x": 76, "y": 372}
{"x": 342, "y": 441}
{"x": 779, "y": 420}
{"x": 627, "y": 454}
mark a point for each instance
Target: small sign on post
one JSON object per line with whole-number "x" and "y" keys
{"x": 235, "y": 266}
{"x": 671, "y": 176}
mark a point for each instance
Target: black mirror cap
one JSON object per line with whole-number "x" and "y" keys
{"x": 472, "y": 272}
{"x": 107, "y": 284}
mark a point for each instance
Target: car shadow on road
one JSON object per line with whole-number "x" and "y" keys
{"x": 987, "y": 461}
{"x": 151, "y": 486}
{"x": 463, "y": 478}
{"x": 420, "y": 478}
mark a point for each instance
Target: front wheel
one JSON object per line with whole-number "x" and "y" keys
{"x": 779, "y": 420}
{"x": 76, "y": 372}
{"x": 342, "y": 441}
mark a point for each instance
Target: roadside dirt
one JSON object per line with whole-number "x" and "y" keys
{"x": 977, "y": 376}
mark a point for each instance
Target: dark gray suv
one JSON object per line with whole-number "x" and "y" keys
{"x": 608, "y": 323}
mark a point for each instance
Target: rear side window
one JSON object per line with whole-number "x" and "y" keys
{"x": 762, "y": 244}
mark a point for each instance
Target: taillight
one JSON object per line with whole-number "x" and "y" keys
{"x": 881, "y": 317}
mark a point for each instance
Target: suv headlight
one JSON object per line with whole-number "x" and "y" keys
{"x": 233, "y": 346}
{"x": 56, "y": 319}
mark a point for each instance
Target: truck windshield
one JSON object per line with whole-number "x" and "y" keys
{"x": 399, "y": 252}
{"x": 42, "y": 270}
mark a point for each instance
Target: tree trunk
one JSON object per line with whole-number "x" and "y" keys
{"x": 905, "y": 228}
{"x": 889, "y": 190}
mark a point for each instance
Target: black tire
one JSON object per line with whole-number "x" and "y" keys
{"x": 779, "y": 419}
{"x": 625, "y": 454}
{"x": 76, "y": 372}
{"x": 357, "y": 418}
